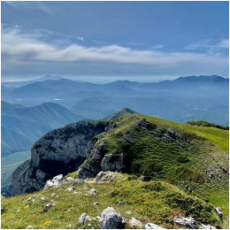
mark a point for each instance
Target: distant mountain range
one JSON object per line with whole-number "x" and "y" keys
{"x": 21, "y": 126}
{"x": 180, "y": 100}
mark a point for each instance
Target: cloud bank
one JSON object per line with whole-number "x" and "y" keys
{"x": 26, "y": 53}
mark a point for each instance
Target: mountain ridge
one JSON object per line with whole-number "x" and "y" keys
{"x": 156, "y": 150}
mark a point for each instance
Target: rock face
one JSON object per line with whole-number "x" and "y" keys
{"x": 58, "y": 152}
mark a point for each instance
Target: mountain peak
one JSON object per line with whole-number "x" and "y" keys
{"x": 120, "y": 113}
{"x": 50, "y": 77}
{"x": 202, "y": 78}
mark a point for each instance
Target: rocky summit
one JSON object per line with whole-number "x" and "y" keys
{"x": 134, "y": 170}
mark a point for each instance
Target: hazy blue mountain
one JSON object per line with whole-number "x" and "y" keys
{"x": 21, "y": 126}
{"x": 12, "y": 141}
{"x": 23, "y": 83}
{"x": 188, "y": 98}
{"x": 34, "y": 90}
{"x": 173, "y": 108}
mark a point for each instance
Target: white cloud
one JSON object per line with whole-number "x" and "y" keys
{"x": 23, "y": 49}
{"x": 158, "y": 46}
{"x": 224, "y": 43}
{"x": 32, "y": 5}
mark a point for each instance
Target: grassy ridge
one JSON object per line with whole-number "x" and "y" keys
{"x": 178, "y": 172}
{"x": 184, "y": 166}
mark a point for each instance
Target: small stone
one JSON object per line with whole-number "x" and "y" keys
{"x": 92, "y": 191}
{"x": 42, "y": 198}
{"x": 69, "y": 189}
{"x": 135, "y": 224}
{"x": 128, "y": 212}
{"x": 48, "y": 206}
{"x": 29, "y": 227}
{"x": 153, "y": 226}
{"x": 49, "y": 184}
{"x": 95, "y": 203}
{"x": 207, "y": 226}
{"x": 219, "y": 212}
{"x": 84, "y": 219}
{"x": 104, "y": 177}
{"x": 28, "y": 199}
{"x": 76, "y": 182}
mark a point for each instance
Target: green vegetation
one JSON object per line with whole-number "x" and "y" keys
{"x": 207, "y": 124}
{"x": 9, "y": 164}
{"x": 182, "y": 164}
{"x": 154, "y": 201}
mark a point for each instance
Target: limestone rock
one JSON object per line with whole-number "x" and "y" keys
{"x": 55, "y": 182}
{"x": 84, "y": 219}
{"x": 110, "y": 219}
{"x": 92, "y": 191}
{"x": 70, "y": 189}
{"x": 42, "y": 198}
{"x": 219, "y": 212}
{"x": 48, "y": 206}
{"x": 207, "y": 226}
{"x": 104, "y": 177}
{"x": 60, "y": 151}
{"x": 113, "y": 162}
{"x": 187, "y": 222}
{"x": 135, "y": 224}
{"x": 152, "y": 226}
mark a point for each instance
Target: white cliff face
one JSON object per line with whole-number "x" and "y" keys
{"x": 58, "y": 152}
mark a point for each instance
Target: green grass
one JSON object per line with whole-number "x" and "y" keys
{"x": 172, "y": 167}
{"x": 218, "y": 137}
{"x": 182, "y": 163}
{"x": 154, "y": 202}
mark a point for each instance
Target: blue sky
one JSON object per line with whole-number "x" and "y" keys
{"x": 103, "y": 41}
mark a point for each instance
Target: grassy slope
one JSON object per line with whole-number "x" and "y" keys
{"x": 146, "y": 151}
{"x": 148, "y": 201}
{"x": 217, "y": 194}
{"x": 148, "y": 156}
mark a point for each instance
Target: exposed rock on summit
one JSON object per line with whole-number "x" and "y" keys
{"x": 58, "y": 152}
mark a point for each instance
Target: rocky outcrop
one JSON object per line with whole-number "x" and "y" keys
{"x": 110, "y": 219}
{"x": 99, "y": 159}
{"x": 60, "y": 151}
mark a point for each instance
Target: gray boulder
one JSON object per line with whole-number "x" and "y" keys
{"x": 110, "y": 219}
{"x": 135, "y": 224}
{"x": 104, "y": 177}
{"x": 55, "y": 182}
{"x": 187, "y": 222}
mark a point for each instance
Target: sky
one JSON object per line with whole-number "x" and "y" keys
{"x": 106, "y": 41}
